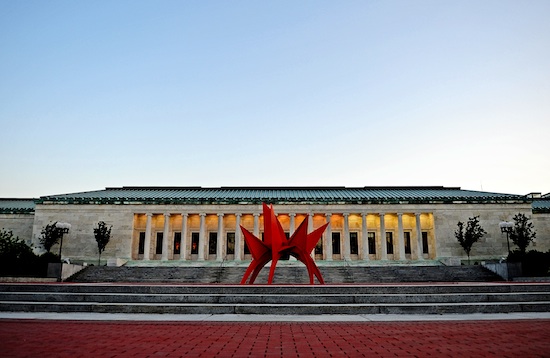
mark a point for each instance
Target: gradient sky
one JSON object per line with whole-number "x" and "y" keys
{"x": 104, "y": 93}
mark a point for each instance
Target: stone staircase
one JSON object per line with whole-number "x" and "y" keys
{"x": 419, "y": 298}
{"x": 287, "y": 274}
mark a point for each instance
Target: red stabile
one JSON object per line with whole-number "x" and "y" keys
{"x": 258, "y": 250}
{"x": 275, "y": 244}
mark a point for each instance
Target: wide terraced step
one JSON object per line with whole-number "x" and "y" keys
{"x": 264, "y": 299}
{"x": 288, "y": 274}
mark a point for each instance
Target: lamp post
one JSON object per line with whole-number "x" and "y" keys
{"x": 63, "y": 228}
{"x": 506, "y": 227}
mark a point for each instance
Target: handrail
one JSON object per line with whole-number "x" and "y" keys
{"x": 220, "y": 270}
{"x": 347, "y": 266}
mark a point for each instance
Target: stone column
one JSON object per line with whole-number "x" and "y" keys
{"x": 238, "y": 238}
{"x": 257, "y": 225}
{"x": 220, "y": 246}
{"x": 384, "y": 248}
{"x": 147, "y": 249}
{"x": 165, "y": 237}
{"x": 183, "y": 244}
{"x": 328, "y": 239}
{"x": 202, "y": 235}
{"x": 346, "y": 237}
{"x": 292, "y": 223}
{"x": 364, "y": 238}
{"x": 400, "y": 238}
{"x": 419, "y": 254}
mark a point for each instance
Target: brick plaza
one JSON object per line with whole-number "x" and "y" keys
{"x": 56, "y": 338}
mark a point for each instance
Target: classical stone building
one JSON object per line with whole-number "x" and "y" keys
{"x": 194, "y": 225}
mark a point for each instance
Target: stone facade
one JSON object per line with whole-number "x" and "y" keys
{"x": 128, "y": 221}
{"x": 541, "y": 221}
{"x": 372, "y": 232}
{"x": 21, "y": 225}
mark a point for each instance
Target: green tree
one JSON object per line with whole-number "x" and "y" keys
{"x": 16, "y": 257}
{"x": 523, "y": 232}
{"x": 469, "y": 235}
{"x": 50, "y": 236}
{"x": 102, "y": 235}
{"x": 11, "y": 247}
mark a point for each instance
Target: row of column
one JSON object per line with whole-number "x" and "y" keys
{"x": 417, "y": 244}
{"x": 364, "y": 237}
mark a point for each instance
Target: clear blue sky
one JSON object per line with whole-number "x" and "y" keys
{"x": 227, "y": 93}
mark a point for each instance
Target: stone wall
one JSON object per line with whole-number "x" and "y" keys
{"x": 542, "y": 228}
{"x": 79, "y": 243}
{"x": 439, "y": 219}
{"x": 20, "y": 224}
{"x": 493, "y": 245}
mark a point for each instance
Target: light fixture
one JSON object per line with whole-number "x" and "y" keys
{"x": 506, "y": 227}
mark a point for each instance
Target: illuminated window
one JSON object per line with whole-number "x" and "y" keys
{"x": 194, "y": 243}
{"x": 158, "y": 249}
{"x": 141, "y": 244}
{"x": 177, "y": 243}
{"x": 230, "y": 243}
{"x": 319, "y": 248}
{"x": 336, "y": 243}
{"x": 372, "y": 242}
{"x": 425, "y": 248}
{"x": 407, "y": 236}
{"x": 389, "y": 242}
{"x": 353, "y": 243}
{"x": 212, "y": 243}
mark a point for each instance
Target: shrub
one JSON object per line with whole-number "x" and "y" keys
{"x": 18, "y": 259}
{"x": 533, "y": 263}
{"x": 536, "y": 263}
{"x": 523, "y": 232}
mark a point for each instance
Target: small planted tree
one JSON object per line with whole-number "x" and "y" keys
{"x": 102, "y": 235}
{"x": 468, "y": 236}
{"x": 50, "y": 236}
{"x": 16, "y": 257}
{"x": 11, "y": 248}
{"x": 523, "y": 232}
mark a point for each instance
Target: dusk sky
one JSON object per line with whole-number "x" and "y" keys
{"x": 97, "y": 94}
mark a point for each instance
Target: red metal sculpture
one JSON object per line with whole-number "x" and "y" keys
{"x": 275, "y": 245}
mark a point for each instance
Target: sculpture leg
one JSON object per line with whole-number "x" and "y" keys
{"x": 272, "y": 270}
{"x": 310, "y": 270}
{"x": 318, "y": 274}
{"x": 255, "y": 274}
{"x": 261, "y": 262}
{"x": 251, "y": 267}
{"x": 314, "y": 270}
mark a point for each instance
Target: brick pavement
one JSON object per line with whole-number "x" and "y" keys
{"x": 46, "y": 338}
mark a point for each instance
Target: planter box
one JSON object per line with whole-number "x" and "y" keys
{"x": 63, "y": 271}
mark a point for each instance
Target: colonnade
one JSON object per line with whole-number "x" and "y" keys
{"x": 358, "y": 236}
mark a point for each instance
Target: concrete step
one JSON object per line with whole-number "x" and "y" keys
{"x": 263, "y": 299}
{"x": 352, "y": 289}
{"x": 60, "y": 297}
{"x": 287, "y": 274}
{"x": 281, "y": 309}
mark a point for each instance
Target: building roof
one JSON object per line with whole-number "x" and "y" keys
{"x": 17, "y": 206}
{"x": 280, "y": 195}
{"x": 541, "y": 205}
